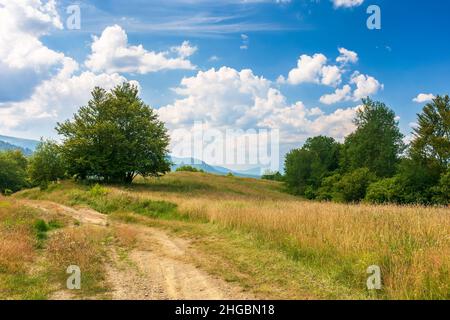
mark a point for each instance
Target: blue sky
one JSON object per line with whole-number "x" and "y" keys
{"x": 136, "y": 40}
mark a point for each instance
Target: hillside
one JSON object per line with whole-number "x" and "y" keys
{"x": 8, "y": 146}
{"x": 222, "y": 237}
{"x": 25, "y": 144}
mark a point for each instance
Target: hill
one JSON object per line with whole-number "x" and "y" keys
{"x": 201, "y": 165}
{"x": 27, "y": 146}
{"x": 247, "y": 232}
{"x": 7, "y": 146}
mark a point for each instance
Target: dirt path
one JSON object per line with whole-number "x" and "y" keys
{"x": 83, "y": 215}
{"x": 155, "y": 269}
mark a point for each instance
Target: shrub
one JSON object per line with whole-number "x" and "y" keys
{"x": 442, "y": 191}
{"x": 98, "y": 191}
{"x": 353, "y": 186}
{"x": 46, "y": 165}
{"x": 273, "y": 176}
{"x": 12, "y": 171}
{"x": 327, "y": 191}
{"x": 188, "y": 169}
{"x": 384, "y": 191}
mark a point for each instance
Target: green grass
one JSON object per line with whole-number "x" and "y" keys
{"x": 280, "y": 246}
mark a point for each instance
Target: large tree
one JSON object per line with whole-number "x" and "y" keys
{"x": 13, "y": 175}
{"x": 423, "y": 175}
{"x": 305, "y": 168}
{"x": 46, "y": 164}
{"x": 432, "y": 136}
{"x": 377, "y": 143}
{"x": 115, "y": 137}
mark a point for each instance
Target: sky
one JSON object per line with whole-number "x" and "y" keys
{"x": 300, "y": 67}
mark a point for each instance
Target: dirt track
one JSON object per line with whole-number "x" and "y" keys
{"x": 155, "y": 269}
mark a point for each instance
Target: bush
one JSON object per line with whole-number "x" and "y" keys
{"x": 327, "y": 191}
{"x": 384, "y": 191}
{"x": 188, "y": 169}
{"x": 442, "y": 191}
{"x": 98, "y": 191}
{"x": 353, "y": 186}
{"x": 13, "y": 176}
{"x": 46, "y": 165}
{"x": 272, "y": 176}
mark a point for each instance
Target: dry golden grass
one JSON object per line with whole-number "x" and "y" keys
{"x": 410, "y": 244}
{"x": 125, "y": 235}
{"x": 16, "y": 237}
{"x": 334, "y": 241}
{"x": 84, "y": 247}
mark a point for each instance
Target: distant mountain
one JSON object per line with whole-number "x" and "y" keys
{"x": 7, "y": 146}
{"x": 22, "y": 143}
{"x": 201, "y": 165}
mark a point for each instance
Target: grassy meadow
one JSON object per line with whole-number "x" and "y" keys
{"x": 271, "y": 243}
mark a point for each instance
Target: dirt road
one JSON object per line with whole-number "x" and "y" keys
{"x": 156, "y": 268}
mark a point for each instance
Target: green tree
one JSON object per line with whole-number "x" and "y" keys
{"x": 305, "y": 168}
{"x": 47, "y": 164}
{"x": 115, "y": 138}
{"x": 273, "y": 176}
{"x": 353, "y": 186}
{"x": 298, "y": 168}
{"x": 328, "y": 188}
{"x": 13, "y": 175}
{"x": 432, "y": 136}
{"x": 429, "y": 155}
{"x": 442, "y": 191}
{"x": 187, "y": 168}
{"x": 384, "y": 191}
{"x": 377, "y": 143}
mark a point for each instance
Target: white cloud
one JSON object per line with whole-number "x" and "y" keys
{"x": 185, "y": 50}
{"x": 227, "y": 98}
{"x": 24, "y": 59}
{"x": 347, "y": 56}
{"x": 338, "y": 96}
{"x": 331, "y": 76}
{"x": 365, "y": 85}
{"x": 347, "y": 3}
{"x": 424, "y": 97}
{"x": 53, "y": 100}
{"x": 245, "y": 42}
{"x": 112, "y": 53}
{"x": 313, "y": 69}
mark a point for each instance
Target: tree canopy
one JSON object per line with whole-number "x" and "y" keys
{"x": 46, "y": 164}
{"x": 377, "y": 144}
{"x": 115, "y": 137}
{"x": 13, "y": 175}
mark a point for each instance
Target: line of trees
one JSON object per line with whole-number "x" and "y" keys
{"x": 374, "y": 164}
{"x": 114, "y": 138}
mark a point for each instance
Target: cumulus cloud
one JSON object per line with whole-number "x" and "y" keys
{"x": 24, "y": 59}
{"x": 347, "y": 56}
{"x": 55, "y": 86}
{"x": 112, "y": 53}
{"x": 338, "y": 96}
{"x": 227, "y": 98}
{"x": 185, "y": 50}
{"x": 365, "y": 85}
{"x": 424, "y": 97}
{"x": 53, "y": 100}
{"x": 347, "y": 3}
{"x": 313, "y": 69}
